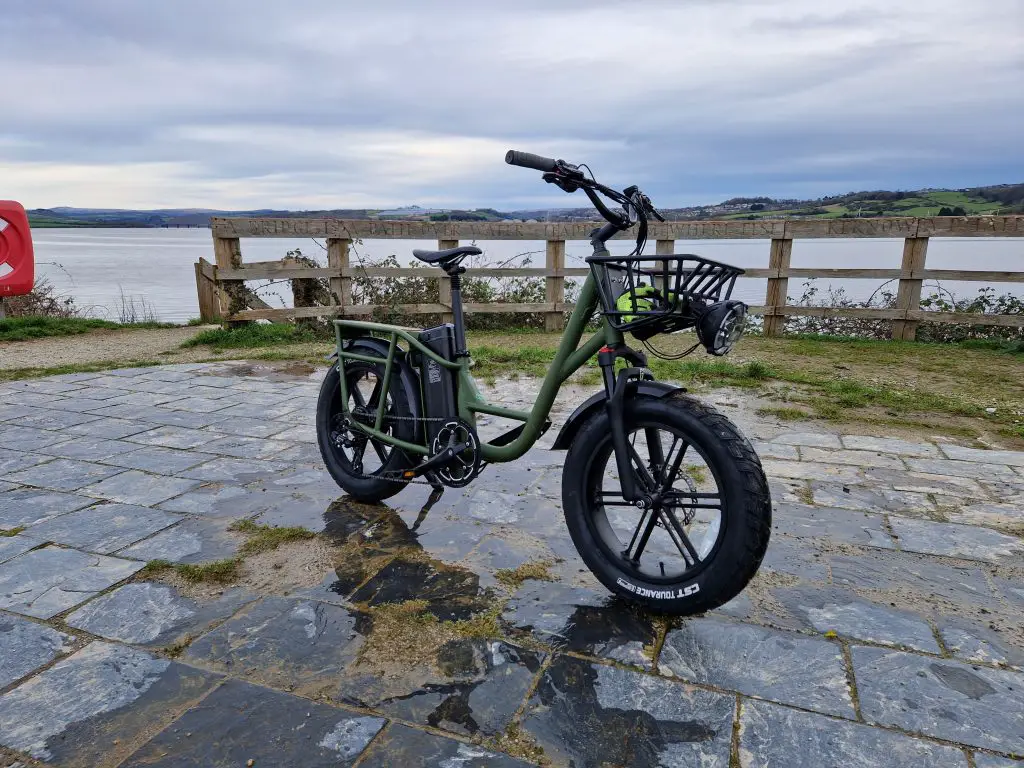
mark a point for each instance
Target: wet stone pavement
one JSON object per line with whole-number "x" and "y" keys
{"x": 885, "y": 628}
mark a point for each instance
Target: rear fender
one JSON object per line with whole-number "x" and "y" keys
{"x": 407, "y": 378}
{"x": 596, "y": 404}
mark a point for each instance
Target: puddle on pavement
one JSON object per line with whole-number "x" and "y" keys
{"x": 289, "y": 371}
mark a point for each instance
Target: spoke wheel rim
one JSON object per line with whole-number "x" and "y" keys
{"x": 362, "y": 454}
{"x": 699, "y": 509}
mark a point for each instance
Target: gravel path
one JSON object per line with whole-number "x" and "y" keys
{"x": 163, "y": 344}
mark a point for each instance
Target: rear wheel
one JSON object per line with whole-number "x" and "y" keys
{"x": 704, "y": 537}
{"x": 361, "y": 465}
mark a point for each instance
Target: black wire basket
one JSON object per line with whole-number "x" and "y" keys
{"x": 648, "y": 295}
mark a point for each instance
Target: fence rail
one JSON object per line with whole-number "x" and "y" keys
{"x": 223, "y": 295}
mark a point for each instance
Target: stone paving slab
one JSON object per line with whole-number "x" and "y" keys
{"x": 25, "y": 646}
{"x": 890, "y": 445}
{"x": 869, "y": 499}
{"x": 847, "y": 614}
{"x": 842, "y": 525}
{"x": 110, "y": 429}
{"x": 401, "y": 745}
{"x": 154, "y": 615}
{"x": 63, "y": 475}
{"x": 772, "y": 736}
{"x": 959, "y": 453}
{"x": 47, "y": 581}
{"x": 134, "y": 487}
{"x": 103, "y": 528}
{"x": 582, "y": 621}
{"x": 953, "y": 540}
{"x": 28, "y": 506}
{"x": 473, "y": 687}
{"x": 298, "y": 645}
{"x": 810, "y": 439}
{"x": 974, "y": 641}
{"x": 992, "y": 761}
{"x": 240, "y": 724}
{"x": 970, "y": 469}
{"x": 27, "y": 438}
{"x": 590, "y": 714}
{"x": 173, "y": 437}
{"x": 160, "y": 461}
{"x": 19, "y": 544}
{"x": 94, "y": 707}
{"x": 12, "y": 461}
{"x": 778, "y": 666}
{"x": 88, "y": 448}
{"x": 190, "y": 541}
{"x": 852, "y": 458}
{"x": 946, "y": 699}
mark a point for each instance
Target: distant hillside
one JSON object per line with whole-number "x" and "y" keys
{"x": 999, "y": 199}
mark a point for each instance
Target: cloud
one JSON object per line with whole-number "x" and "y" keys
{"x": 319, "y": 103}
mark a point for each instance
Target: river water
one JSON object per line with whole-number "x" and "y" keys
{"x": 99, "y": 266}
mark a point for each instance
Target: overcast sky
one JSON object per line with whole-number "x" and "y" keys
{"x": 310, "y": 104}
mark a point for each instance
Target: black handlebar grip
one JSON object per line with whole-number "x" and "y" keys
{"x": 527, "y": 160}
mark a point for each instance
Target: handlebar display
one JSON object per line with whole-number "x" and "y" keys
{"x": 528, "y": 160}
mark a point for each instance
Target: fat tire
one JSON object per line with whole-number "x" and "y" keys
{"x": 365, "y": 489}
{"x": 746, "y": 511}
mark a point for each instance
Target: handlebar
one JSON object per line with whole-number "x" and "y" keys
{"x": 528, "y": 160}
{"x": 569, "y": 178}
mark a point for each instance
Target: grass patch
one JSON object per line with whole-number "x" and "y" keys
{"x": 215, "y": 572}
{"x": 265, "y": 538}
{"x": 17, "y": 374}
{"x": 28, "y": 328}
{"x": 483, "y": 625}
{"x": 12, "y": 531}
{"x": 697, "y": 473}
{"x": 254, "y": 336}
{"x": 785, "y": 414}
{"x": 805, "y": 495}
{"x": 538, "y": 570}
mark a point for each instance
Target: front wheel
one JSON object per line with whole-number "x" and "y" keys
{"x": 704, "y": 537}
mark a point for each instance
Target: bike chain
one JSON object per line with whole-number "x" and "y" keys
{"x": 391, "y": 476}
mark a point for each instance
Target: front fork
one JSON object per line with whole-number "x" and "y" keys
{"x": 616, "y": 387}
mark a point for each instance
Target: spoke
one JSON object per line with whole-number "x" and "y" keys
{"x": 671, "y": 524}
{"x": 375, "y": 394}
{"x": 654, "y": 450}
{"x": 669, "y": 477}
{"x": 357, "y": 395}
{"x": 379, "y": 450}
{"x": 644, "y": 538}
{"x": 636, "y": 533}
{"x": 645, "y": 476}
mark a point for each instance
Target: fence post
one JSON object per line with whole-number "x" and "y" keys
{"x": 228, "y": 253}
{"x": 337, "y": 259}
{"x": 778, "y": 287}
{"x": 554, "y": 284}
{"x": 206, "y": 290}
{"x": 908, "y": 297}
{"x": 444, "y": 284}
{"x": 665, "y": 247}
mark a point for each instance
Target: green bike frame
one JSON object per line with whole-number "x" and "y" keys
{"x": 569, "y": 358}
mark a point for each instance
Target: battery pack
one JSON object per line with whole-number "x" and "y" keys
{"x": 440, "y": 404}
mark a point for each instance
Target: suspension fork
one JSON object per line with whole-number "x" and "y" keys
{"x": 615, "y": 389}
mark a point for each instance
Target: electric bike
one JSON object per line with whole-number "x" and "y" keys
{"x": 665, "y": 500}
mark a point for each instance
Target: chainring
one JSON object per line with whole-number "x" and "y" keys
{"x": 465, "y": 466}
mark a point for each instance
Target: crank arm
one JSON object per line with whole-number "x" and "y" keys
{"x": 436, "y": 461}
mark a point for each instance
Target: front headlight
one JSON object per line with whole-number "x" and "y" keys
{"x": 721, "y": 326}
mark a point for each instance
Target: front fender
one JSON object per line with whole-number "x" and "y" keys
{"x": 596, "y": 403}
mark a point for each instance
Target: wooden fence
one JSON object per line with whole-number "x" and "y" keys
{"x": 223, "y": 296}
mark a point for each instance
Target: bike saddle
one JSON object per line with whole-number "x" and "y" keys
{"x": 439, "y": 257}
